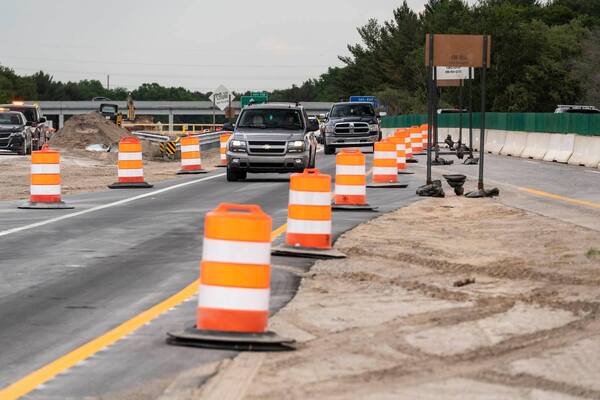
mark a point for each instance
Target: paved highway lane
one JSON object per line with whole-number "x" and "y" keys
{"x": 70, "y": 281}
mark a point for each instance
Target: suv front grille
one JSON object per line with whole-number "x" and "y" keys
{"x": 352, "y": 128}
{"x": 266, "y": 147}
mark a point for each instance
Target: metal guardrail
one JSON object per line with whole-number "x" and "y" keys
{"x": 207, "y": 140}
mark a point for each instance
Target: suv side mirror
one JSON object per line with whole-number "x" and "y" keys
{"x": 228, "y": 126}
{"x": 29, "y": 123}
{"x": 43, "y": 120}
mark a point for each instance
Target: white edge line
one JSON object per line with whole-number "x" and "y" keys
{"x": 102, "y": 207}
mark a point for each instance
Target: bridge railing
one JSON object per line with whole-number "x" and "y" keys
{"x": 176, "y": 129}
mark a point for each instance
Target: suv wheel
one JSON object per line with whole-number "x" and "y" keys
{"x": 329, "y": 149}
{"x": 234, "y": 176}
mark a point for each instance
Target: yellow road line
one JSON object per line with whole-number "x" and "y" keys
{"x": 561, "y": 198}
{"x": 28, "y": 383}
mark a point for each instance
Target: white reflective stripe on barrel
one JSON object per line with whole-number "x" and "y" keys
{"x": 190, "y": 161}
{"x": 45, "y": 189}
{"x": 130, "y": 173}
{"x": 188, "y": 148}
{"x": 233, "y": 298}
{"x": 384, "y": 154}
{"x": 309, "y": 226}
{"x": 130, "y": 156}
{"x": 350, "y": 170}
{"x": 350, "y": 190}
{"x": 310, "y": 198}
{"x": 230, "y": 251}
{"x": 45, "y": 168}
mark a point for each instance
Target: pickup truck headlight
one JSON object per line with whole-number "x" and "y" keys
{"x": 296, "y": 146}
{"x": 329, "y": 129}
{"x": 238, "y": 146}
{"x": 374, "y": 127}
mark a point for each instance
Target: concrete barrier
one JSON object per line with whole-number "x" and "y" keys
{"x": 586, "y": 151}
{"x": 514, "y": 144}
{"x": 560, "y": 147}
{"x": 537, "y": 145}
{"x": 494, "y": 140}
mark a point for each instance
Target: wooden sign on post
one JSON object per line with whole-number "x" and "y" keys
{"x": 449, "y": 83}
{"x": 458, "y": 50}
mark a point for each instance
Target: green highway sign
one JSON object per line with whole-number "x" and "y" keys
{"x": 256, "y": 98}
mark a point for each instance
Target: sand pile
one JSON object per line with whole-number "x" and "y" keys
{"x": 82, "y": 130}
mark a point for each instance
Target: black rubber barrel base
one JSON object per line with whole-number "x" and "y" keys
{"x": 130, "y": 185}
{"x": 188, "y": 172}
{"x": 306, "y": 252}
{"x": 353, "y": 207}
{"x": 46, "y": 206}
{"x": 387, "y": 185}
{"x": 192, "y": 337}
{"x": 411, "y": 161}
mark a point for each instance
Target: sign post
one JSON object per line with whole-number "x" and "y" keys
{"x": 454, "y": 52}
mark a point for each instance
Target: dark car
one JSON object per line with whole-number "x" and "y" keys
{"x": 271, "y": 138}
{"x": 15, "y": 135}
{"x": 351, "y": 124}
{"x": 40, "y": 132}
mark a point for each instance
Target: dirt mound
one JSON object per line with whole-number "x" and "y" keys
{"x": 82, "y": 130}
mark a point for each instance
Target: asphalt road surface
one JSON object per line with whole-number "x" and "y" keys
{"x": 69, "y": 276}
{"x": 66, "y": 282}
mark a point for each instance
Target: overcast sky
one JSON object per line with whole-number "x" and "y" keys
{"x": 249, "y": 44}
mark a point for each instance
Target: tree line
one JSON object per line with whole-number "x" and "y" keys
{"x": 543, "y": 54}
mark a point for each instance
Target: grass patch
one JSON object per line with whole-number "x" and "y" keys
{"x": 593, "y": 253}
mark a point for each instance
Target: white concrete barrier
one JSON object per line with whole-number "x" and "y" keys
{"x": 494, "y": 141}
{"x": 514, "y": 144}
{"x": 560, "y": 147}
{"x": 586, "y": 151}
{"x": 537, "y": 145}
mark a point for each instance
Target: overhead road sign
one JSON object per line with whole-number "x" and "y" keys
{"x": 256, "y": 98}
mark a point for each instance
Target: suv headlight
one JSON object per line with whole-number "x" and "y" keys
{"x": 296, "y": 146}
{"x": 329, "y": 128}
{"x": 373, "y": 127}
{"x": 18, "y": 133}
{"x": 238, "y": 146}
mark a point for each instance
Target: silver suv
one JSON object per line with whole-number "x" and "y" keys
{"x": 271, "y": 138}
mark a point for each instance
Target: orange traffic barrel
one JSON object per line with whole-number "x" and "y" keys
{"x": 130, "y": 165}
{"x": 309, "y": 226}
{"x": 385, "y": 166}
{"x": 45, "y": 189}
{"x": 416, "y": 138}
{"x": 234, "y": 288}
{"x": 424, "y": 140}
{"x": 223, "y": 140}
{"x": 350, "y": 180}
{"x": 191, "y": 156}
{"x": 309, "y": 210}
{"x": 235, "y": 270}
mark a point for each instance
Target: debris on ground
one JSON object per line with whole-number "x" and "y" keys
{"x": 82, "y": 130}
{"x": 464, "y": 282}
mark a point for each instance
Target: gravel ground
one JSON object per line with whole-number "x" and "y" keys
{"x": 83, "y": 171}
{"x": 447, "y": 298}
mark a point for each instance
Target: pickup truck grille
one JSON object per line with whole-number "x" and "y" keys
{"x": 266, "y": 147}
{"x": 352, "y": 128}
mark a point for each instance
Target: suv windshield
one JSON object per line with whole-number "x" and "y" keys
{"x": 271, "y": 119}
{"x": 10, "y": 119}
{"x": 352, "y": 110}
